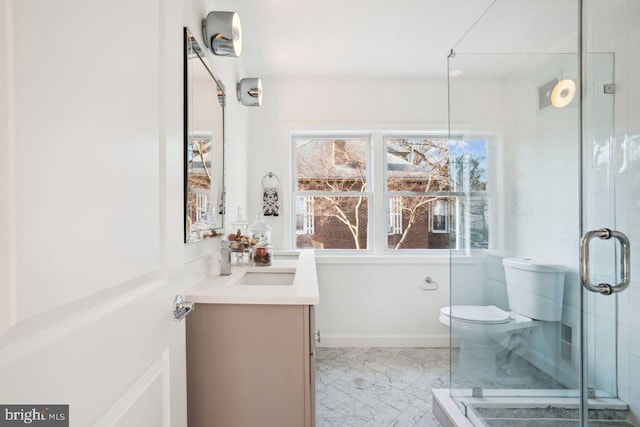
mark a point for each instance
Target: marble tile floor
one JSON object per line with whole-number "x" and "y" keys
{"x": 385, "y": 387}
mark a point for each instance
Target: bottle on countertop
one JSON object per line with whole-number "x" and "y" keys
{"x": 225, "y": 258}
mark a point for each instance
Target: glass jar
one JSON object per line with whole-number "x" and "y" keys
{"x": 240, "y": 225}
{"x": 262, "y": 254}
{"x": 240, "y": 240}
{"x": 260, "y": 231}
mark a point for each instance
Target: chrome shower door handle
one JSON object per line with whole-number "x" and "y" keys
{"x": 605, "y": 288}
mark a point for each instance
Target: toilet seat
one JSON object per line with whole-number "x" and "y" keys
{"x": 483, "y": 314}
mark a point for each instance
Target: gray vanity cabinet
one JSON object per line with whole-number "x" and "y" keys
{"x": 251, "y": 365}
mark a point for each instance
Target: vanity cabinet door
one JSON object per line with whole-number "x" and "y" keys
{"x": 312, "y": 365}
{"x": 249, "y": 365}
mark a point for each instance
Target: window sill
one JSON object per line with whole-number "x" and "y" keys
{"x": 441, "y": 258}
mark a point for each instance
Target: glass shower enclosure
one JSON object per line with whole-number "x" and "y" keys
{"x": 524, "y": 85}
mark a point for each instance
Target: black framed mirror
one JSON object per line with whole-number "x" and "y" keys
{"x": 204, "y": 104}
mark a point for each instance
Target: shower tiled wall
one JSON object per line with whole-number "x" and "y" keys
{"x": 612, "y": 26}
{"x": 496, "y": 288}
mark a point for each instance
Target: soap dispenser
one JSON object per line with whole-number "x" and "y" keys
{"x": 225, "y": 258}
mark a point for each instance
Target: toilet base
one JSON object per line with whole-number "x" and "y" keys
{"x": 489, "y": 361}
{"x": 477, "y": 361}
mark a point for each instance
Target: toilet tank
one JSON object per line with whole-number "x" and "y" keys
{"x": 534, "y": 290}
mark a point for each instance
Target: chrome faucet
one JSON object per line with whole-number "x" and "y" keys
{"x": 225, "y": 258}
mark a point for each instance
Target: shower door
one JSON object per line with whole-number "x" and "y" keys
{"x": 547, "y": 175}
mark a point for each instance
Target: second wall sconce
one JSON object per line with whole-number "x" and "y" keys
{"x": 222, "y": 33}
{"x": 562, "y": 93}
{"x": 250, "y": 92}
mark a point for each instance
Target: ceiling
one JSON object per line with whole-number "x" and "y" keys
{"x": 351, "y": 38}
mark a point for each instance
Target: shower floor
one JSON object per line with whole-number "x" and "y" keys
{"x": 525, "y": 411}
{"x": 549, "y": 417}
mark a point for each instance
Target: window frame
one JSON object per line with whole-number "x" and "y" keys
{"x": 378, "y": 202}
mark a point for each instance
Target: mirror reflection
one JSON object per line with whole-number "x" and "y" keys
{"x": 204, "y": 99}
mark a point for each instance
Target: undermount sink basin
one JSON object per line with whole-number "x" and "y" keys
{"x": 265, "y": 278}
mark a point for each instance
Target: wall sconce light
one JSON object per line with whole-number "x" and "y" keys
{"x": 222, "y": 33}
{"x": 250, "y": 92}
{"x": 562, "y": 93}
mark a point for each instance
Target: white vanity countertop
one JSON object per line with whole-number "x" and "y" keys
{"x": 224, "y": 290}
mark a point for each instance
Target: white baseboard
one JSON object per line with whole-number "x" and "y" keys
{"x": 434, "y": 340}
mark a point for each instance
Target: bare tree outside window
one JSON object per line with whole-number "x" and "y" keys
{"x": 418, "y": 172}
{"x": 333, "y": 172}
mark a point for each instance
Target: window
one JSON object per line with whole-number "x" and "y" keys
{"x": 434, "y": 193}
{"x": 417, "y": 181}
{"x": 439, "y": 216}
{"x": 331, "y": 192}
{"x": 469, "y": 196}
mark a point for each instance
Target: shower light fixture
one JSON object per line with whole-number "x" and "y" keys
{"x": 249, "y": 92}
{"x": 562, "y": 93}
{"x": 222, "y": 33}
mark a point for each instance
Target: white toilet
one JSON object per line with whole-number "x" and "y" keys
{"x": 535, "y": 294}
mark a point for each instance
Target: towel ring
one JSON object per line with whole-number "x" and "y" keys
{"x": 271, "y": 175}
{"x": 431, "y": 285}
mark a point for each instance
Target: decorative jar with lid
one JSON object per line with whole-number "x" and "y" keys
{"x": 260, "y": 231}
{"x": 239, "y": 240}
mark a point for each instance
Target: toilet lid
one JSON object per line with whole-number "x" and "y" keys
{"x": 489, "y": 314}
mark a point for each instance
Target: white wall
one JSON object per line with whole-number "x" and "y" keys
{"x": 615, "y": 30}
{"x": 363, "y": 300}
{"x": 380, "y": 302}
{"x": 541, "y": 167}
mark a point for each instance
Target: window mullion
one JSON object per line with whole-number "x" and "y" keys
{"x": 378, "y": 226}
